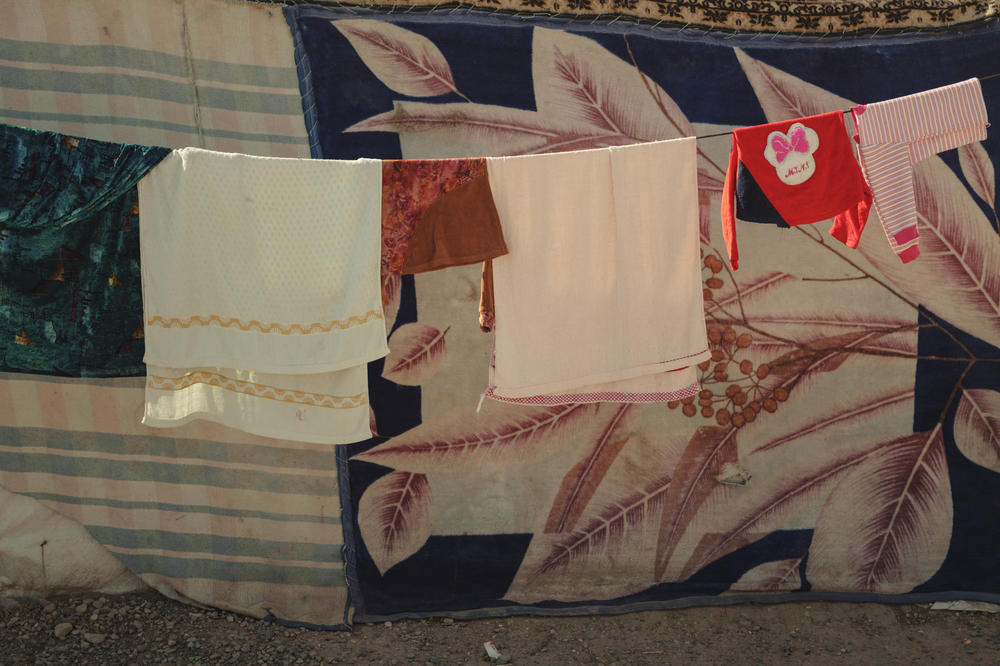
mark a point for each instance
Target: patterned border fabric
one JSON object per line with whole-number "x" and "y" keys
{"x": 815, "y": 17}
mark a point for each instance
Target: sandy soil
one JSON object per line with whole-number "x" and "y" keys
{"x": 150, "y": 629}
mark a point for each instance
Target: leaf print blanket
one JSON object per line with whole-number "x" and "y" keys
{"x": 845, "y": 442}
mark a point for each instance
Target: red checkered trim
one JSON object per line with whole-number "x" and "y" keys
{"x": 599, "y": 396}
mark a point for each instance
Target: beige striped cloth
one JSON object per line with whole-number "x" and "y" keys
{"x": 200, "y": 512}
{"x": 206, "y": 73}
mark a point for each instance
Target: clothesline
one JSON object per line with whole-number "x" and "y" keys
{"x": 845, "y": 112}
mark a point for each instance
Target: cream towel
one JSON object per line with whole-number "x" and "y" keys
{"x": 310, "y": 408}
{"x": 260, "y": 265}
{"x": 600, "y": 297}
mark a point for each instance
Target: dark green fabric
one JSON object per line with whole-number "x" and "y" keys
{"x": 70, "y": 292}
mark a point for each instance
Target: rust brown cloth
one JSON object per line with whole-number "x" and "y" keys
{"x": 461, "y": 227}
{"x": 436, "y": 214}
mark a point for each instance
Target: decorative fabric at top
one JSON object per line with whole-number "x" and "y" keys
{"x": 70, "y": 298}
{"x": 817, "y": 17}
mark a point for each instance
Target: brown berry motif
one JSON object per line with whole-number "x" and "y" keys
{"x": 733, "y": 391}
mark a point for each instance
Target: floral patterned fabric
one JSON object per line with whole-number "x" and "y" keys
{"x": 844, "y": 441}
{"x": 70, "y": 296}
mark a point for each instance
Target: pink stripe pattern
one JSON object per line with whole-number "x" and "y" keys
{"x": 896, "y": 134}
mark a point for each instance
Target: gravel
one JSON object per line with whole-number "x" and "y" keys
{"x": 151, "y": 629}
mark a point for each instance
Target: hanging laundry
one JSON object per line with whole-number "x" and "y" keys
{"x": 70, "y": 295}
{"x": 896, "y": 134}
{"x": 806, "y": 172}
{"x": 752, "y": 205}
{"x": 436, "y": 214}
{"x": 261, "y": 293}
{"x": 330, "y": 407}
{"x": 600, "y": 297}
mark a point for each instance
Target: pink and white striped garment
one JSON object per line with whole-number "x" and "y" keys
{"x": 896, "y": 134}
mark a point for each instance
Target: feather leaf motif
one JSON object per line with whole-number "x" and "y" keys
{"x": 770, "y": 503}
{"x": 579, "y": 485}
{"x": 608, "y": 527}
{"x": 755, "y": 287}
{"x": 395, "y": 517}
{"x": 499, "y": 437}
{"x": 776, "y": 576}
{"x": 958, "y": 273}
{"x": 783, "y": 96}
{"x": 978, "y": 170}
{"x": 416, "y": 352}
{"x": 404, "y": 61}
{"x": 578, "y": 79}
{"x": 710, "y": 449}
{"x": 614, "y": 542}
{"x": 886, "y": 526}
{"x": 703, "y": 459}
{"x": 977, "y": 427}
{"x": 480, "y": 130}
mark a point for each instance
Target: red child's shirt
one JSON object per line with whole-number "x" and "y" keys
{"x": 807, "y": 169}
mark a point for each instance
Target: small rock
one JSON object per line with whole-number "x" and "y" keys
{"x": 93, "y": 617}
{"x": 447, "y": 620}
{"x": 388, "y": 624}
{"x": 62, "y": 629}
{"x": 96, "y": 639}
{"x": 100, "y": 603}
{"x": 137, "y": 625}
{"x": 82, "y": 608}
{"x": 229, "y": 618}
{"x": 49, "y": 608}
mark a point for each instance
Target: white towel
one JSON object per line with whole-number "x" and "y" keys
{"x": 600, "y": 297}
{"x": 327, "y": 407}
{"x": 260, "y": 265}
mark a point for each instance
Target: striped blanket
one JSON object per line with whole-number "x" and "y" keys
{"x": 211, "y": 74}
{"x": 199, "y": 512}
{"x": 202, "y": 513}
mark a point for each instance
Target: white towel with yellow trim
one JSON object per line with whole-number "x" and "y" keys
{"x": 327, "y": 407}
{"x": 261, "y": 290}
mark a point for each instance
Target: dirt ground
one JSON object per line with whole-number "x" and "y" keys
{"x": 150, "y": 629}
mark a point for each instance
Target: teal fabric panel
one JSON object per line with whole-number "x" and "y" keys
{"x": 70, "y": 293}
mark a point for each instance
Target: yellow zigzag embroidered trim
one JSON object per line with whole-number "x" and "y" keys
{"x": 256, "y": 390}
{"x": 284, "y": 329}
